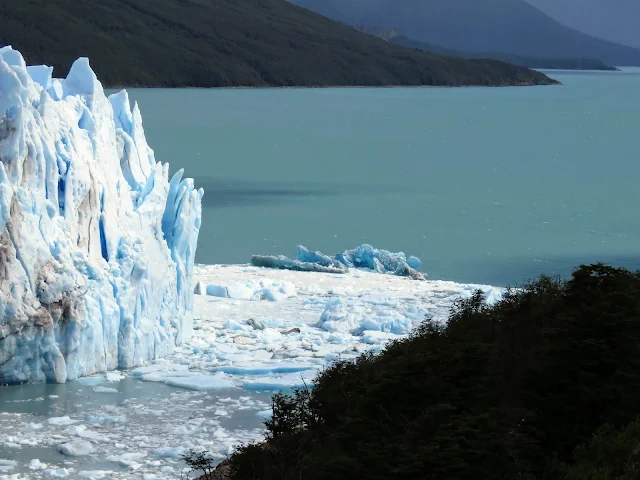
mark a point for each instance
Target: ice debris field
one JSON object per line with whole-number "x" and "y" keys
{"x": 97, "y": 251}
{"x": 270, "y": 330}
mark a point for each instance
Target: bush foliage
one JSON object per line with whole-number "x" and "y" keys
{"x": 543, "y": 385}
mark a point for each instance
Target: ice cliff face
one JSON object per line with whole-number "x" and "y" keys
{"x": 96, "y": 244}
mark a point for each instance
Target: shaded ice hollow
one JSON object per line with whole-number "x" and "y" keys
{"x": 96, "y": 243}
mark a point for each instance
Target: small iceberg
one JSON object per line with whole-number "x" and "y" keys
{"x": 253, "y": 290}
{"x": 362, "y": 257}
{"x": 285, "y": 263}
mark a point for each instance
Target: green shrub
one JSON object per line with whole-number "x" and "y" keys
{"x": 502, "y": 392}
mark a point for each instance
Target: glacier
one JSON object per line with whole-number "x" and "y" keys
{"x": 97, "y": 245}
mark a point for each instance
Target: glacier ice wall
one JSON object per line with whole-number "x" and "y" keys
{"x": 96, "y": 244}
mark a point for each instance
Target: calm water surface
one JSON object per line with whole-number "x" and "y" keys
{"x": 485, "y": 185}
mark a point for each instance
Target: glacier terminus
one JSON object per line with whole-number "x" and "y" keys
{"x": 97, "y": 244}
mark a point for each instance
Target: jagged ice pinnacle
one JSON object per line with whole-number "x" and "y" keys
{"x": 96, "y": 244}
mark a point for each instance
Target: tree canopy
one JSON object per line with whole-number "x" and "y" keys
{"x": 544, "y": 384}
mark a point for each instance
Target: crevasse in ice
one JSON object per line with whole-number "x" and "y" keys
{"x": 96, "y": 244}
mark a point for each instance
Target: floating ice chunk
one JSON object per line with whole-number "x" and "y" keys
{"x": 318, "y": 258}
{"x": 34, "y": 426}
{"x": 365, "y": 256}
{"x": 235, "y": 326}
{"x": 170, "y": 452}
{"x": 387, "y": 322}
{"x": 89, "y": 381}
{"x": 82, "y": 432}
{"x": 161, "y": 377}
{"x": 377, "y": 337}
{"x": 491, "y": 295}
{"x": 36, "y": 464}
{"x": 61, "y": 421}
{"x": 216, "y": 291}
{"x": 264, "y": 369}
{"x": 380, "y": 261}
{"x": 201, "y": 382}
{"x": 343, "y": 316}
{"x": 114, "y": 376}
{"x": 338, "y": 317}
{"x": 105, "y": 390}
{"x": 76, "y": 448}
{"x": 266, "y": 414}
{"x": 57, "y": 473}
{"x": 283, "y": 382}
{"x": 127, "y": 459}
{"x": 95, "y": 474}
{"x": 105, "y": 419}
{"x": 180, "y": 376}
{"x": 284, "y": 263}
{"x": 263, "y": 289}
{"x": 160, "y": 367}
{"x": 256, "y": 324}
{"x": 270, "y": 322}
{"x": 7, "y": 465}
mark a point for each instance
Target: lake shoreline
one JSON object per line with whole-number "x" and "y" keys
{"x": 555, "y": 83}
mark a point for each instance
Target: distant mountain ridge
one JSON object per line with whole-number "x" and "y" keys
{"x": 227, "y": 43}
{"x": 615, "y": 20}
{"x": 393, "y": 36}
{"x": 511, "y": 27}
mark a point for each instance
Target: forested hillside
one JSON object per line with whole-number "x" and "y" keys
{"x": 217, "y": 43}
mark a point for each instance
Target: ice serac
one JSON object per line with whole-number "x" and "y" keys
{"x": 96, "y": 243}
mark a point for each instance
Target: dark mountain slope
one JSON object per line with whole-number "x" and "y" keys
{"x": 482, "y": 26}
{"x": 531, "y": 62}
{"x": 615, "y": 20}
{"x": 210, "y": 43}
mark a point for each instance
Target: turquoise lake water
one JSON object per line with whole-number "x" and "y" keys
{"x": 484, "y": 185}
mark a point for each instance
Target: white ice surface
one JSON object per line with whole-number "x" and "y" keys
{"x": 57, "y": 473}
{"x": 96, "y": 243}
{"x": 237, "y": 346}
{"x": 264, "y": 289}
{"x": 100, "y": 389}
{"x": 7, "y": 465}
{"x": 280, "y": 345}
{"x": 75, "y": 448}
